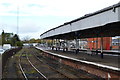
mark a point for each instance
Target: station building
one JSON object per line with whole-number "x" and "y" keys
{"x": 98, "y": 28}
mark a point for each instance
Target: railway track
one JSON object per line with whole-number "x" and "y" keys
{"x": 36, "y": 66}
{"x": 40, "y": 69}
{"x": 52, "y": 67}
{"x": 67, "y": 71}
{"x": 28, "y": 69}
{"x": 48, "y": 70}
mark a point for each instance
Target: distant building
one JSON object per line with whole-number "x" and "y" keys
{"x": 116, "y": 43}
{"x": 83, "y": 43}
{"x": 6, "y": 46}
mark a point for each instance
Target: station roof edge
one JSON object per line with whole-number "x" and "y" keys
{"x": 85, "y": 16}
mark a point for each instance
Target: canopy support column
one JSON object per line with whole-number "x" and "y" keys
{"x": 101, "y": 47}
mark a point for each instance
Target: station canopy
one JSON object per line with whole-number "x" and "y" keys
{"x": 102, "y": 23}
{"x": 108, "y": 30}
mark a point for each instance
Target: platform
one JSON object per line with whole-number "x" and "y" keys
{"x": 108, "y": 60}
{"x": 114, "y": 52}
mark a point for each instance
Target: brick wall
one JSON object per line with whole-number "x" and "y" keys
{"x": 95, "y": 43}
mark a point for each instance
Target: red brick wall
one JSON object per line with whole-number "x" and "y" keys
{"x": 92, "y": 44}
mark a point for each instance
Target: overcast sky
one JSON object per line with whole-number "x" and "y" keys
{"x": 38, "y": 16}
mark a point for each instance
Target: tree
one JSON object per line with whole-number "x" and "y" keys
{"x": 6, "y": 37}
{"x": 10, "y": 38}
{"x": 19, "y": 43}
{"x": 32, "y": 40}
{"x": 26, "y": 39}
{"x": 15, "y": 40}
{"x": 3, "y": 37}
{"x": 38, "y": 40}
{"x": 16, "y": 37}
{"x": 0, "y": 40}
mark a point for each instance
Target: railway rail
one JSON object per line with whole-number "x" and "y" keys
{"x": 24, "y": 68}
{"x": 67, "y": 71}
{"x": 51, "y": 72}
{"x": 52, "y": 67}
{"x": 35, "y": 64}
{"x": 89, "y": 67}
{"x": 42, "y": 70}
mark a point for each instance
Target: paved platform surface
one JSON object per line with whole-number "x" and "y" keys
{"x": 104, "y": 51}
{"x": 109, "y": 60}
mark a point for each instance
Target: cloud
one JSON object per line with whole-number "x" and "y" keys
{"x": 35, "y": 5}
{"x": 52, "y": 7}
{"x": 29, "y": 28}
{"x": 37, "y": 16}
{"x": 6, "y": 4}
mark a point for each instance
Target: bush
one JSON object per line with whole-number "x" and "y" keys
{"x": 19, "y": 43}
